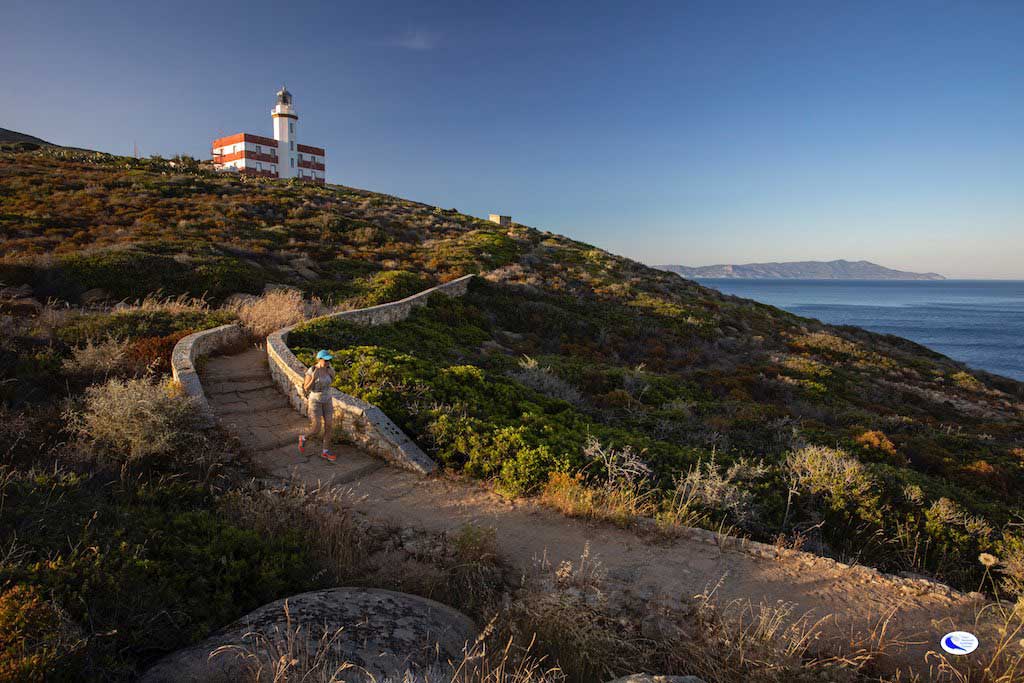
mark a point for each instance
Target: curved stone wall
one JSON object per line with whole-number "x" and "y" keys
{"x": 361, "y": 422}
{"x": 187, "y": 352}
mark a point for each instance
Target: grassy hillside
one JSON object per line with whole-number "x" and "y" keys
{"x": 607, "y": 387}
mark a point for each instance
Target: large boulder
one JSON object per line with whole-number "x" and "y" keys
{"x": 379, "y": 632}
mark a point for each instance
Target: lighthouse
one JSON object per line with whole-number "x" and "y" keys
{"x": 279, "y": 157}
{"x": 285, "y": 123}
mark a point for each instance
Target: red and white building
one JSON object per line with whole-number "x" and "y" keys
{"x": 278, "y": 157}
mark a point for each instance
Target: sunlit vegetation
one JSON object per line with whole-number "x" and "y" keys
{"x": 742, "y": 416}
{"x": 610, "y": 390}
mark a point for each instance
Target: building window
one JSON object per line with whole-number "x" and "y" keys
{"x": 259, "y": 150}
{"x": 293, "y": 162}
{"x": 291, "y": 127}
{"x": 259, "y": 166}
{"x": 291, "y": 145}
{"x": 300, "y": 156}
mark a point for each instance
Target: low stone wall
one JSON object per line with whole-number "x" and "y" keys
{"x": 186, "y": 354}
{"x": 361, "y": 422}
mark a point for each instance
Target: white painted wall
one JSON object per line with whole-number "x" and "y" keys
{"x": 286, "y": 133}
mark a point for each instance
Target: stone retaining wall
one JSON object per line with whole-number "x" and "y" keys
{"x": 186, "y": 354}
{"x": 361, "y": 422}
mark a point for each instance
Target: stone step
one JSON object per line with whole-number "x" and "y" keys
{"x": 213, "y": 377}
{"x": 242, "y": 407}
{"x": 286, "y": 438}
{"x": 350, "y": 466}
{"x": 254, "y": 396}
{"x": 219, "y": 388}
{"x": 358, "y": 473}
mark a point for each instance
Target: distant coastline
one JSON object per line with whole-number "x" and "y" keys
{"x": 978, "y": 322}
{"x": 799, "y": 270}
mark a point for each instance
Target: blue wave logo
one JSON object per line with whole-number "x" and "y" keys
{"x": 959, "y": 643}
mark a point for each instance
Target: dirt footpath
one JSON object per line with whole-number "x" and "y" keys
{"x": 248, "y": 404}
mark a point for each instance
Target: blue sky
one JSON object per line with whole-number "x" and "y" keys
{"x": 675, "y": 132}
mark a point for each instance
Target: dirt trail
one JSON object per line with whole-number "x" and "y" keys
{"x": 248, "y": 404}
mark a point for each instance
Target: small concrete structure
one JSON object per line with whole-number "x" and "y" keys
{"x": 503, "y": 221}
{"x": 379, "y": 633}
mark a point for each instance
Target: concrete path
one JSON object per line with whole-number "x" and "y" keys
{"x": 246, "y": 402}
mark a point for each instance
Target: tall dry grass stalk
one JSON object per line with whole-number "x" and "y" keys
{"x": 294, "y": 653}
{"x": 102, "y": 358}
{"x": 334, "y": 541}
{"x": 622, "y": 503}
{"x": 174, "y": 305}
{"x": 276, "y": 309}
{"x": 1003, "y": 661}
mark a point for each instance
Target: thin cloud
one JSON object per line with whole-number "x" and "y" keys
{"x": 417, "y": 39}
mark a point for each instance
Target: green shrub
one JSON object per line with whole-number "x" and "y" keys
{"x": 836, "y": 476}
{"x": 144, "y": 567}
{"x": 391, "y": 285}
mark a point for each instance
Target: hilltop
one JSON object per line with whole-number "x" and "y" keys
{"x": 576, "y": 377}
{"x": 12, "y": 136}
{"x": 801, "y": 270}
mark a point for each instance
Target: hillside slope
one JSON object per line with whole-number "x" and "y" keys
{"x": 15, "y": 136}
{"x": 688, "y": 378}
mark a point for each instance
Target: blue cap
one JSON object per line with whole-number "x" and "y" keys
{"x": 323, "y": 354}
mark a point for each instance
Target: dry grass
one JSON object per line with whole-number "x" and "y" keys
{"x": 338, "y": 546}
{"x": 1003, "y": 662}
{"x": 623, "y": 496}
{"x": 276, "y": 309}
{"x": 461, "y": 569}
{"x": 137, "y": 419}
{"x": 621, "y": 504}
{"x": 545, "y": 381}
{"x": 174, "y": 305}
{"x": 102, "y": 359}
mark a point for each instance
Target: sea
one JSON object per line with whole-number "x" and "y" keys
{"x": 979, "y": 322}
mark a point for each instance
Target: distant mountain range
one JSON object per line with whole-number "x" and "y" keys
{"x": 801, "y": 270}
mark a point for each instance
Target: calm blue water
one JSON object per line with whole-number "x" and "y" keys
{"x": 978, "y": 322}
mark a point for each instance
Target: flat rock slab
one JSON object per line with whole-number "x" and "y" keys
{"x": 381, "y": 632}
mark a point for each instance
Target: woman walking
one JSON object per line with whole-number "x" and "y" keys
{"x": 321, "y": 411}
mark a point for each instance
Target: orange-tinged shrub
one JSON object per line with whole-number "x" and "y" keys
{"x": 33, "y": 635}
{"x": 987, "y": 473}
{"x": 876, "y": 441}
{"x": 154, "y": 353}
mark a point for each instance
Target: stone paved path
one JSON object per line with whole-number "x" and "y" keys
{"x": 246, "y": 402}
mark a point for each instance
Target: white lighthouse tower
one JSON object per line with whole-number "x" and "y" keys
{"x": 286, "y": 122}
{"x": 280, "y": 157}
